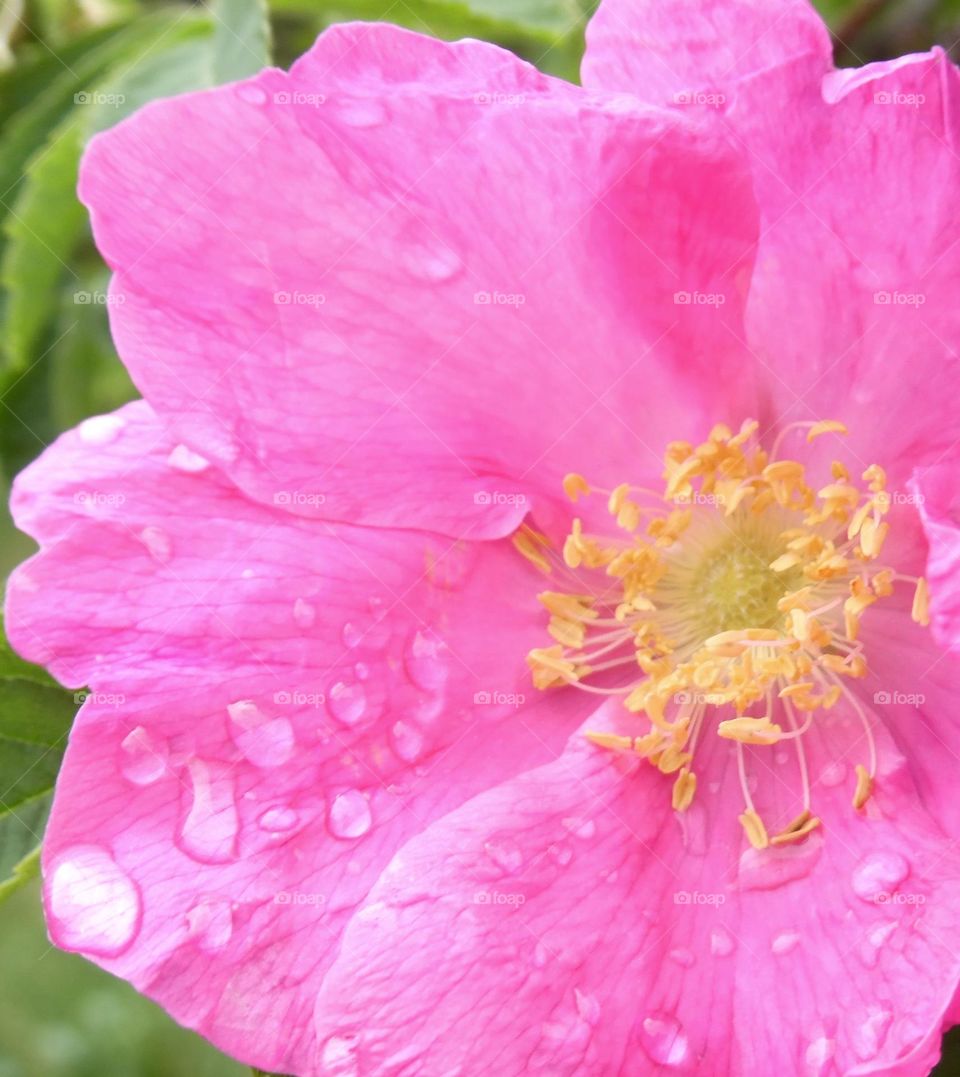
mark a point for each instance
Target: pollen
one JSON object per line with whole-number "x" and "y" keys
{"x": 728, "y": 603}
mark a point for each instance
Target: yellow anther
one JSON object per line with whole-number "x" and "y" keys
{"x": 575, "y": 486}
{"x": 550, "y": 667}
{"x": 570, "y": 633}
{"x": 785, "y": 562}
{"x": 858, "y": 519}
{"x": 840, "y": 491}
{"x": 563, "y": 605}
{"x": 532, "y": 544}
{"x": 876, "y": 477}
{"x": 786, "y": 837}
{"x": 754, "y": 829}
{"x": 750, "y": 730}
{"x": 882, "y": 582}
{"x": 825, "y": 426}
{"x": 741, "y": 635}
{"x": 840, "y": 471}
{"x": 872, "y": 535}
{"x": 672, "y": 759}
{"x": 684, "y": 789}
{"x": 920, "y": 611}
{"x": 617, "y": 497}
{"x": 795, "y": 600}
{"x": 610, "y": 740}
{"x": 783, "y": 471}
{"x": 864, "y": 789}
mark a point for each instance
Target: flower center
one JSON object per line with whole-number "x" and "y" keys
{"x": 731, "y": 598}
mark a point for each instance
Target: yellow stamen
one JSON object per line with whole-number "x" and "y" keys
{"x": 864, "y": 789}
{"x": 825, "y": 426}
{"x": 920, "y": 611}
{"x": 754, "y": 829}
{"x": 750, "y": 730}
{"x": 575, "y": 486}
{"x": 684, "y": 789}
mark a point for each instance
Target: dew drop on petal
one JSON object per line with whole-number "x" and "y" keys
{"x": 721, "y": 942}
{"x": 581, "y": 828}
{"x": 208, "y": 832}
{"x": 278, "y": 820}
{"x": 101, "y": 429}
{"x": 663, "y": 1039}
{"x": 183, "y": 459}
{"x": 587, "y": 1006}
{"x": 347, "y": 703}
{"x": 818, "y": 1057}
{"x": 362, "y": 671}
{"x": 424, "y": 660}
{"x": 505, "y": 853}
{"x": 433, "y": 264}
{"x": 683, "y": 957}
{"x": 349, "y": 815}
{"x": 407, "y": 741}
{"x": 351, "y": 635}
{"x": 362, "y": 113}
{"x": 210, "y": 924}
{"x": 767, "y": 869}
{"x": 264, "y": 741}
{"x": 304, "y": 613}
{"x": 338, "y": 1056}
{"x": 157, "y": 543}
{"x": 144, "y": 756}
{"x": 785, "y": 942}
{"x": 833, "y": 774}
{"x": 94, "y": 905}
{"x": 874, "y": 942}
{"x": 870, "y": 1032}
{"x": 252, "y": 95}
{"x": 878, "y": 874}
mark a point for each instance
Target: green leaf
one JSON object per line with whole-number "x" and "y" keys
{"x": 241, "y": 38}
{"x": 34, "y": 722}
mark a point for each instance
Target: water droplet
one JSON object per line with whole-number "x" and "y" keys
{"x": 351, "y": 635}
{"x": 721, "y": 942}
{"x": 349, "y": 815}
{"x": 210, "y": 924}
{"x": 767, "y": 869}
{"x": 94, "y": 905}
{"x": 251, "y": 94}
{"x": 362, "y": 113}
{"x": 434, "y": 264}
{"x": 347, "y": 703}
{"x": 870, "y": 1032}
{"x": 208, "y": 832}
{"x": 875, "y": 941}
{"x": 878, "y": 875}
{"x": 587, "y": 1006}
{"x": 264, "y": 741}
{"x": 581, "y": 828}
{"x": 338, "y": 1057}
{"x": 562, "y": 854}
{"x": 407, "y": 741}
{"x": 505, "y": 853}
{"x": 183, "y": 459}
{"x": 785, "y": 942}
{"x": 304, "y": 613}
{"x": 158, "y": 544}
{"x": 684, "y": 958}
{"x": 278, "y": 820}
{"x": 144, "y": 757}
{"x": 818, "y": 1057}
{"x": 362, "y": 671}
{"x": 424, "y": 660}
{"x": 541, "y": 955}
{"x": 664, "y": 1040}
{"x": 833, "y": 774}
{"x": 101, "y": 429}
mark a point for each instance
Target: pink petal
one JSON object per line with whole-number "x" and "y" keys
{"x": 565, "y": 922}
{"x": 690, "y": 54}
{"x": 851, "y": 312}
{"x": 276, "y": 705}
{"x": 328, "y": 288}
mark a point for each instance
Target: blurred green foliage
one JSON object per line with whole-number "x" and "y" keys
{"x": 70, "y": 68}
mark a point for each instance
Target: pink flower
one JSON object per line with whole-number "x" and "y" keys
{"x": 379, "y": 308}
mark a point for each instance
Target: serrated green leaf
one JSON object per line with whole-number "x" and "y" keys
{"x": 241, "y": 38}
{"x": 34, "y": 722}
